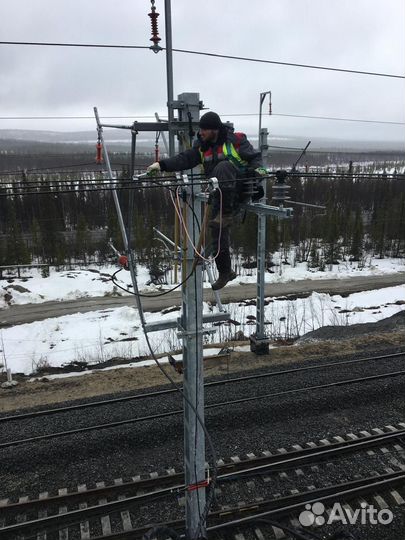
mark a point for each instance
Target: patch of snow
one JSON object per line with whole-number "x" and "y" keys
{"x": 98, "y": 336}
{"x": 93, "y": 282}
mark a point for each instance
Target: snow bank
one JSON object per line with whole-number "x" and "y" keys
{"x": 115, "y": 333}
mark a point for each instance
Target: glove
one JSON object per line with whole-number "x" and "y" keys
{"x": 262, "y": 171}
{"x": 153, "y": 169}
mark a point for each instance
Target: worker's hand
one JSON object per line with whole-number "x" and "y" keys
{"x": 262, "y": 171}
{"x": 153, "y": 169}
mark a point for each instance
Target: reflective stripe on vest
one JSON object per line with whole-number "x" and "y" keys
{"x": 230, "y": 153}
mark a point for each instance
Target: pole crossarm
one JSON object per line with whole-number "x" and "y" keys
{"x": 267, "y": 210}
{"x": 157, "y": 326}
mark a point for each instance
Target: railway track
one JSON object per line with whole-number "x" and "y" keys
{"x": 231, "y": 380}
{"x": 126, "y": 509}
{"x": 210, "y": 405}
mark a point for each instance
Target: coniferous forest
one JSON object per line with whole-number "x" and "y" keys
{"x": 59, "y": 219}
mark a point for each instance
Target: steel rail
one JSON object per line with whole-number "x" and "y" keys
{"x": 280, "y": 506}
{"x": 212, "y": 384}
{"x": 226, "y": 472}
{"x": 208, "y": 406}
{"x": 331, "y": 493}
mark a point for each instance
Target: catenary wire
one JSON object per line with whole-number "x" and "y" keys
{"x": 312, "y": 117}
{"x": 204, "y": 53}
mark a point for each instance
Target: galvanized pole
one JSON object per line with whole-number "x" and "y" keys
{"x": 193, "y": 380}
{"x": 261, "y": 259}
{"x": 192, "y": 327}
{"x": 169, "y": 72}
{"x": 260, "y": 345}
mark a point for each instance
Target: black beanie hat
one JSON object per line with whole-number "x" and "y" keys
{"x": 210, "y": 120}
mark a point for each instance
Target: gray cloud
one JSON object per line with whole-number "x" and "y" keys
{"x": 366, "y": 35}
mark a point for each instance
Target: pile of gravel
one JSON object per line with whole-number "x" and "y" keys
{"x": 396, "y": 323}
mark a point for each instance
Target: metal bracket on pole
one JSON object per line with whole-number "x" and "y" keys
{"x": 120, "y": 219}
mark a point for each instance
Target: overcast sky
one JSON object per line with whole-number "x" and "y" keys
{"x": 367, "y": 35}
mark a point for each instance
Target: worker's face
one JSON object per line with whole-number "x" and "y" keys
{"x": 209, "y": 135}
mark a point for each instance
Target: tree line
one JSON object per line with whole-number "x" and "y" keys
{"x": 49, "y": 219}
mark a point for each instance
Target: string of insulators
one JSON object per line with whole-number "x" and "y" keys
{"x": 99, "y": 151}
{"x": 155, "y": 31}
{"x": 156, "y": 152}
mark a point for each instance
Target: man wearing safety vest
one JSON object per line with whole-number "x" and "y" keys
{"x": 228, "y": 156}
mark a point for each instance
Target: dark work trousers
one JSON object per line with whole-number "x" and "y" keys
{"x": 227, "y": 175}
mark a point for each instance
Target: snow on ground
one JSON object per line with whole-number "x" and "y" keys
{"x": 110, "y": 333}
{"x": 96, "y": 281}
{"x": 299, "y": 271}
{"x": 66, "y": 284}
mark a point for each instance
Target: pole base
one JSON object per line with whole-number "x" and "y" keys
{"x": 259, "y": 346}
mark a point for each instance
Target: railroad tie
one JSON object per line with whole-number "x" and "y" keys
{"x": 397, "y": 497}
{"x": 278, "y": 533}
{"x": 63, "y": 533}
{"x": 3, "y": 502}
{"x": 84, "y": 525}
{"x": 20, "y": 518}
{"x": 105, "y": 520}
{"x": 378, "y": 431}
{"x": 125, "y": 518}
{"x": 259, "y": 534}
{"x": 42, "y": 513}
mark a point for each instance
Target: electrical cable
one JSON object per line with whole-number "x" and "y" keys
{"x": 22, "y": 171}
{"x": 214, "y": 474}
{"x": 76, "y": 188}
{"x": 204, "y": 53}
{"x": 232, "y": 115}
{"x": 127, "y": 183}
{"x": 148, "y": 295}
{"x": 178, "y": 212}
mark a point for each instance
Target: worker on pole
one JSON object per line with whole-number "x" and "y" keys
{"x": 229, "y": 157}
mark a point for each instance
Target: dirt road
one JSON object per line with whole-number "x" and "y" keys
{"x": 37, "y": 312}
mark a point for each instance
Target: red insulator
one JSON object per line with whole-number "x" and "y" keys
{"x": 99, "y": 149}
{"x": 123, "y": 261}
{"x": 155, "y": 31}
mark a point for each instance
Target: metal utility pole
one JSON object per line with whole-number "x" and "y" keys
{"x": 169, "y": 73}
{"x": 188, "y": 105}
{"x": 260, "y": 342}
{"x": 193, "y": 379}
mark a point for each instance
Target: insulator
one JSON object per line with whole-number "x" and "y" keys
{"x": 155, "y": 31}
{"x": 250, "y": 187}
{"x": 123, "y": 261}
{"x": 157, "y": 152}
{"x": 280, "y": 192}
{"x": 280, "y": 188}
{"x": 99, "y": 149}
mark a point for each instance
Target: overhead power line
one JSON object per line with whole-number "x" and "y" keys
{"x": 204, "y": 53}
{"x": 335, "y": 118}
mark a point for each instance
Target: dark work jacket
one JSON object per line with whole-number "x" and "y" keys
{"x": 192, "y": 157}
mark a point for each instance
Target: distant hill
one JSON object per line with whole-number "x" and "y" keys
{"x": 31, "y": 149}
{"x": 120, "y": 139}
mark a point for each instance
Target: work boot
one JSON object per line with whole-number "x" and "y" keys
{"x": 223, "y": 279}
{"x": 226, "y": 221}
